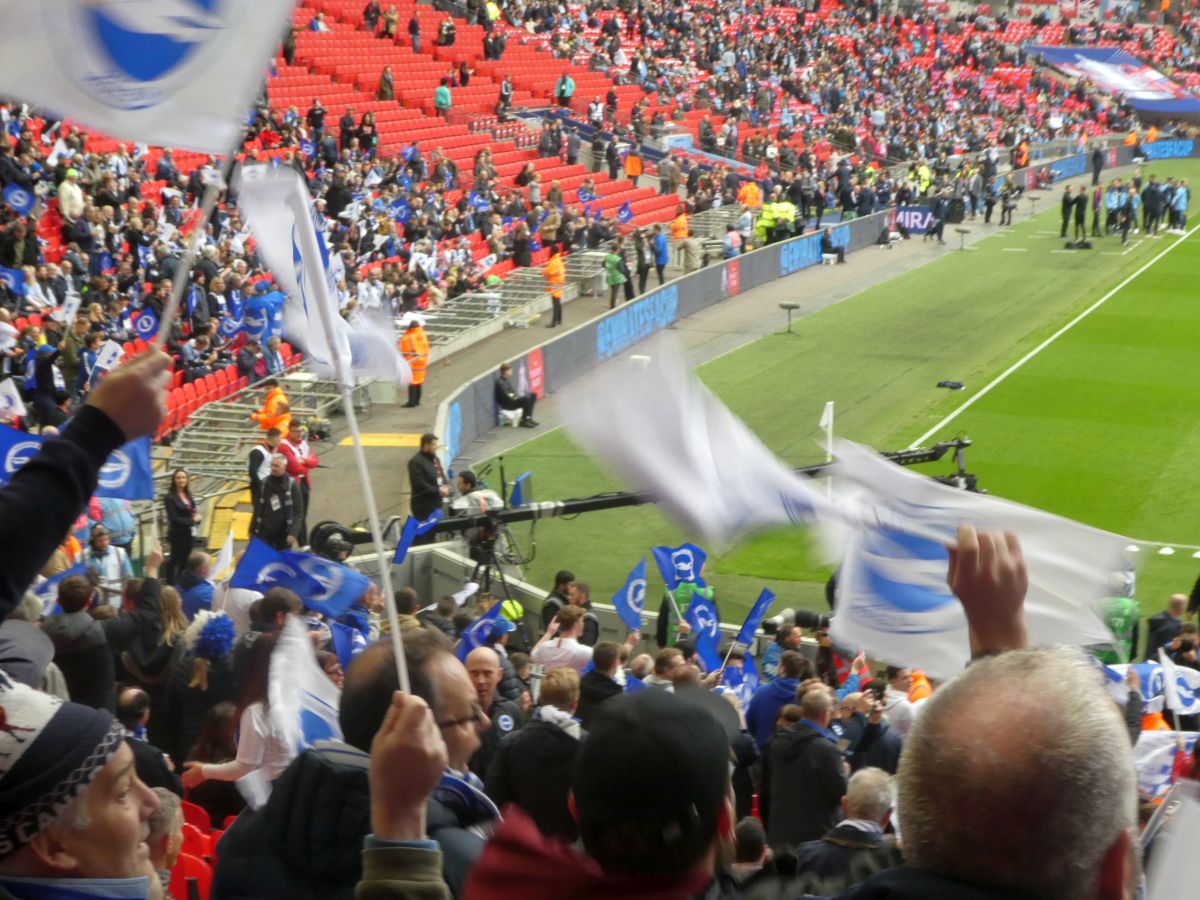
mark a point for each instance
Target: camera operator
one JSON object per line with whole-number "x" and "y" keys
{"x": 473, "y": 499}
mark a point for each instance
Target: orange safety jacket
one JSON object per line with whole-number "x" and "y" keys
{"x": 276, "y": 412}
{"x": 414, "y": 347}
{"x": 556, "y": 275}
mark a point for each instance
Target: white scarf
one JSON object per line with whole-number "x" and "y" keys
{"x": 559, "y": 717}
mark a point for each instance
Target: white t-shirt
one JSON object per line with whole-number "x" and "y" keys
{"x": 562, "y": 652}
{"x": 258, "y": 749}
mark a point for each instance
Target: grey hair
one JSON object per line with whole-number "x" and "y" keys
{"x": 1018, "y": 775}
{"x": 869, "y": 794}
{"x": 74, "y": 815}
{"x": 168, "y": 818}
{"x": 29, "y": 609}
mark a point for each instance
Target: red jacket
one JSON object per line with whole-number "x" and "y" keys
{"x": 299, "y": 466}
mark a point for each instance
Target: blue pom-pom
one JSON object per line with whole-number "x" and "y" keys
{"x": 216, "y": 638}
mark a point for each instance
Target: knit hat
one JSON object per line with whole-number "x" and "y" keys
{"x": 49, "y": 753}
{"x": 652, "y": 774}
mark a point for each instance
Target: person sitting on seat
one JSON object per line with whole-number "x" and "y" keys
{"x": 508, "y": 398}
{"x": 828, "y": 248}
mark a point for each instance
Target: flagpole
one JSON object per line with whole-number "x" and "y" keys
{"x": 308, "y": 241}
{"x": 209, "y": 202}
{"x": 828, "y": 422}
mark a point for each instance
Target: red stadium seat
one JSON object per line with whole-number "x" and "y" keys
{"x": 189, "y": 867}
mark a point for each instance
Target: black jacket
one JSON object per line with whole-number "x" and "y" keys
{"x": 803, "y": 783}
{"x": 307, "y": 841}
{"x": 532, "y": 768}
{"x": 845, "y": 857}
{"x": 506, "y": 718}
{"x": 594, "y": 688}
{"x": 183, "y": 708}
{"x": 914, "y": 884}
{"x": 423, "y": 482}
{"x": 879, "y": 746}
{"x": 152, "y": 768}
{"x": 1164, "y": 628}
{"x": 81, "y": 651}
{"x": 552, "y": 607}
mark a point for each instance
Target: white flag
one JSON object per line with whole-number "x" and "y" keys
{"x": 668, "y": 435}
{"x": 110, "y": 354}
{"x": 1154, "y": 758}
{"x": 304, "y": 703}
{"x": 893, "y": 600}
{"x": 59, "y": 149}
{"x": 1181, "y": 686}
{"x": 826, "y": 422}
{"x": 281, "y": 216}
{"x": 177, "y": 73}
{"x": 70, "y": 308}
{"x": 11, "y": 404}
{"x": 224, "y": 558}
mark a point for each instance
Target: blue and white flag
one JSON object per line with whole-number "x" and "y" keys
{"x": 1112, "y": 681}
{"x": 14, "y": 280}
{"x": 479, "y": 631}
{"x": 679, "y": 564}
{"x": 1181, "y": 686}
{"x": 146, "y": 325}
{"x": 742, "y": 681}
{"x": 1154, "y": 759}
{"x": 228, "y": 327}
{"x": 288, "y": 229}
{"x": 21, "y": 200}
{"x": 401, "y": 211}
{"x": 1150, "y": 683}
{"x": 348, "y": 642}
{"x": 308, "y": 148}
{"x": 408, "y": 152}
{"x": 630, "y": 600}
{"x": 478, "y": 203}
{"x": 754, "y": 619}
{"x": 585, "y": 196}
{"x": 893, "y": 600}
{"x": 625, "y": 213}
{"x": 413, "y": 528}
{"x": 110, "y": 354}
{"x": 517, "y": 497}
{"x": 323, "y": 586}
{"x": 11, "y": 404}
{"x": 706, "y": 631}
{"x": 175, "y": 73}
{"x": 666, "y": 434}
{"x": 126, "y": 475}
{"x": 46, "y": 590}
{"x": 304, "y": 703}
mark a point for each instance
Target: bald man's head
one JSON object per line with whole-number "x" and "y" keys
{"x": 483, "y": 665}
{"x": 1018, "y": 776}
{"x": 1177, "y": 605}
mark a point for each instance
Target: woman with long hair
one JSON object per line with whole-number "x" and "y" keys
{"x": 260, "y": 749}
{"x": 217, "y": 744}
{"x": 182, "y": 517}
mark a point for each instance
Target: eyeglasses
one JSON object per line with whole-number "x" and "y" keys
{"x": 475, "y": 718}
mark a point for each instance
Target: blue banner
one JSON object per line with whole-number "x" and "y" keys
{"x": 348, "y": 642}
{"x": 125, "y": 476}
{"x": 146, "y": 324}
{"x": 625, "y": 213}
{"x": 630, "y": 600}
{"x": 478, "y": 633}
{"x": 21, "y": 200}
{"x": 517, "y": 498}
{"x": 750, "y": 626}
{"x": 324, "y": 586}
{"x": 1120, "y": 73}
{"x": 412, "y": 530}
{"x": 706, "y": 631}
{"x": 679, "y": 564}
{"x": 14, "y": 280}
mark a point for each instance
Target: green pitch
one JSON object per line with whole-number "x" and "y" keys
{"x": 1102, "y": 425}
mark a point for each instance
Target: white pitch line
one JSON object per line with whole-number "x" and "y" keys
{"x": 986, "y": 389}
{"x": 1015, "y": 249}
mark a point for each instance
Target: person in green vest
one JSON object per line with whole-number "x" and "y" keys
{"x": 924, "y": 178}
{"x": 442, "y": 100}
{"x": 785, "y": 219}
{"x": 668, "y": 623}
{"x": 1122, "y": 615}
{"x": 764, "y": 228}
{"x": 614, "y": 275}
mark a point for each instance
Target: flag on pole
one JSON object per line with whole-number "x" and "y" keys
{"x": 1181, "y": 686}
{"x": 126, "y": 474}
{"x": 282, "y": 218}
{"x": 176, "y": 73}
{"x": 14, "y": 280}
{"x": 146, "y": 325}
{"x": 324, "y": 586}
{"x": 1112, "y": 681}
{"x": 21, "y": 200}
{"x": 304, "y": 703}
{"x": 679, "y": 564}
{"x": 479, "y": 631}
{"x": 1154, "y": 759}
{"x": 754, "y": 619}
{"x": 517, "y": 497}
{"x": 893, "y": 600}
{"x": 224, "y": 558}
{"x": 348, "y": 642}
{"x": 110, "y": 354}
{"x": 630, "y": 600}
{"x": 625, "y": 213}
{"x": 706, "y": 630}
{"x": 666, "y": 434}
{"x": 11, "y": 404}
{"x": 413, "y": 529}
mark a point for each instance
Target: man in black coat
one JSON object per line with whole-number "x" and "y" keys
{"x": 1081, "y": 205}
{"x": 426, "y": 480}
{"x": 1068, "y": 203}
{"x": 133, "y": 712}
{"x": 599, "y": 684}
{"x": 17, "y": 247}
{"x": 803, "y": 776}
{"x": 505, "y": 716}
{"x": 1165, "y": 625}
{"x": 856, "y": 847}
{"x": 559, "y": 597}
{"x": 532, "y": 767}
{"x": 508, "y": 398}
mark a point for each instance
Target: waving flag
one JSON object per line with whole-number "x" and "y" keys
{"x": 517, "y": 497}
{"x": 46, "y": 590}
{"x": 413, "y": 529}
{"x": 1181, "y": 686}
{"x": 625, "y": 213}
{"x": 678, "y": 564}
{"x": 126, "y": 475}
{"x": 228, "y": 327}
{"x": 1154, "y": 759}
{"x": 304, "y": 703}
{"x": 754, "y": 619}
{"x": 706, "y": 631}
{"x": 668, "y": 435}
{"x": 176, "y": 73}
{"x": 110, "y": 354}
{"x": 21, "y": 200}
{"x": 1112, "y": 681}
{"x": 479, "y": 631}
{"x": 14, "y": 280}
{"x": 11, "y": 403}
{"x": 348, "y": 642}
{"x": 323, "y": 586}
{"x": 630, "y": 600}
{"x": 146, "y": 324}
{"x": 892, "y": 595}
{"x": 288, "y": 230}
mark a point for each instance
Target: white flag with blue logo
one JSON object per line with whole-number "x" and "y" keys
{"x": 11, "y": 404}
{"x": 1154, "y": 759}
{"x": 666, "y": 434}
{"x": 893, "y": 600}
{"x": 1181, "y": 686}
{"x": 110, "y": 354}
{"x": 177, "y": 73}
{"x": 282, "y": 218}
{"x": 304, "y": 702}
